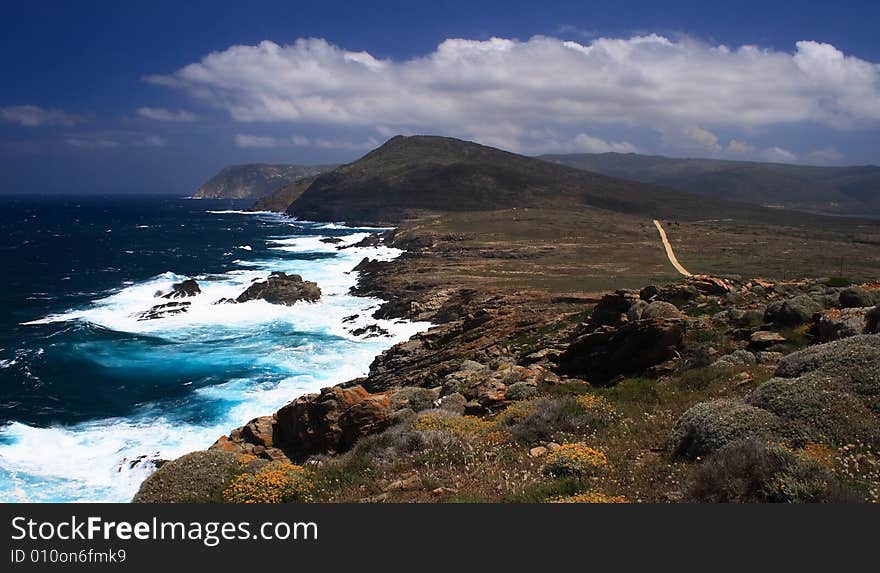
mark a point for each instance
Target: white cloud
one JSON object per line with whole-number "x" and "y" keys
{"x": 162, "y": 114}
{"x": 735, "y": 147}
{"x": 778, "y": 155}
{"x": 35, "y": 116}
{"x": 265, "y": 142}
{"x": 827, "y": 156}
{"x": 696, "y": 139}
{"x": 499, "y": 90}
{"x": 95, "y": 143}
{"x": 258, "y": 141}
{"x": 153, "y": 141}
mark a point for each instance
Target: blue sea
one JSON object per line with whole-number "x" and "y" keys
{"x": 86, "y": 387}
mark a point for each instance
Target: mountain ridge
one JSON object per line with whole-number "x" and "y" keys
{"x": 413, "y": 176}
{"x": 844, "y": 190}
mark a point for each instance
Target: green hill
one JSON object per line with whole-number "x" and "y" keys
{"x": 410, "y": 177}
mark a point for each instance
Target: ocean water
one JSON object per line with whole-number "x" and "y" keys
{"x": 86, "y": 388}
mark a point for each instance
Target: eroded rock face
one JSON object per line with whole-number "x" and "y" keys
{"x": 330, "y": 422}
{"x": 281, "y": 288}
{"x": 606, "y": 353}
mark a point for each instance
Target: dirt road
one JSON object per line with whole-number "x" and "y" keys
{"x": 669, "y": 252}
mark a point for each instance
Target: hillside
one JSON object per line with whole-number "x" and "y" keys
{"x": 840, "y": 190}
{"x": 255, "y": 180}
{"x": 280, "y": 199}
{"x": 410, "y": 177}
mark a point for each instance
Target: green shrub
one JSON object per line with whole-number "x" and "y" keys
{"x": 709, "y": 426}
{"x": 751, "y": 471}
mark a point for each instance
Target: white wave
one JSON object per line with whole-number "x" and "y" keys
{"x": 87, "y": 462}
{"x": 245, "y": 247}
{"x": 240, "y": 212}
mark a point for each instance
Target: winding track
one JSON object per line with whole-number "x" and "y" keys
{"x": 669, "y": 252}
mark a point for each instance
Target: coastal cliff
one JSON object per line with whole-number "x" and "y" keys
{"x": 256, "y": 180}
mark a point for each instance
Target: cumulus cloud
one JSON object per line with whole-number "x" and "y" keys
{"x": 35, "y": 116}
{"x": 500, "y": 90}
{"x": 162, "y": 114}
{"x": 693, "y": 138}
{"x": 735, "y": 147}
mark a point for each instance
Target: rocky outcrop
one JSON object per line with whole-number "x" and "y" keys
{"x": 281, "y": 288}
{"x": 793, "y": 311}
{"x": 165, "y": 310}
{"x": 485, "y": 387}
{"x": 184, "y": 289}
{"x": 835, "y": 324}
{"x": 602, "y": 355}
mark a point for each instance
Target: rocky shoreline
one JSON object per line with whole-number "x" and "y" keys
{"x": 494, "y": 350}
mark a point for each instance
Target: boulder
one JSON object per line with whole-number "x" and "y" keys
{"x": 872, "y": 321}
{"x": 331, "y": 421}
{"x": 856, "y": 297}
{"x": 793, "y": 311}
{"x": 612, "y": 308}
{"x": 661, "y": 309}
{"x": 765, "y": 339}
{"x": 454, "y": 403}
{"x": 835, "y": 324}
{"x": 677, "y": 293}
{"x": 745, "y": 317}
{"x": 281, "y": 288}
{"x": 604, "y": 354}
{"x": 184, "y": 289}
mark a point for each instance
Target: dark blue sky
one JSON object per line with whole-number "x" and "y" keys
{"x": 73, "y": 80}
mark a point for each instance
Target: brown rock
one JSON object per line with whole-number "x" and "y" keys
{"x": 765, "y": 339}
{"x": 330, "y": 422}
{"x": 281, "y": 288}
{"x": 607, "y": 353}
{"x": 259, "y": 431}
{"x": 835, "y": 324}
